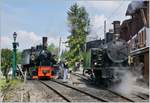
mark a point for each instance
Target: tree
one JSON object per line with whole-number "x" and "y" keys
{"x": 78, "y": 21}
{"x": 53, "y": 49}
{"x": 6, "y": 61}
{"x": 19, "y": 57}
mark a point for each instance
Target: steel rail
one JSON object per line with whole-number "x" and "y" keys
{"x": 81, "y": 91}
{"x": 142, "y": 96}
{"x": 56, "y": 91}
{"x": 79, "y": 75}
{"x": 130, "y": 100}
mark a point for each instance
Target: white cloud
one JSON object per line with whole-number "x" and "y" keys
{"x": 97, "y": 27}
{"x": 27, "y": 39}
{"x": 97, "y": 30}
{"x": 100, "y": 5}
{"x": 99, "y": 11}
{"x": 98, "y": 21}
{"x": 5, "y": 42}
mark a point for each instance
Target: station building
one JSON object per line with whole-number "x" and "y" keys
{"x": 136, "y": 32}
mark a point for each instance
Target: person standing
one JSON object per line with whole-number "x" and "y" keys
{"x": 65, "y": 71}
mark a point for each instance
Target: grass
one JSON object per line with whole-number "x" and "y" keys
{"x": 2, "y": 84}
{"x": 13, "y": 83}
{"x": 16, "y": 83}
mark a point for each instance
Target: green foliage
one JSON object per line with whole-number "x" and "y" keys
{"x": 6, "y": 85}
{"x": 53, "y": 49}
{"x": 86, "y": 60}
{"x": 63, "y": 55}
{"x": 6, "y": 61}
{"x": 78, "y": 21}
{"x": 19, "y": 58}
{"x": 2, "y": 84}
{"x": 7, "y": 56}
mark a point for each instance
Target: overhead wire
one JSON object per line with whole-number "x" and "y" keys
{"x": 117, "y": 9}
{"x": 114, "y": 12}
{"x": 111, "y": 15}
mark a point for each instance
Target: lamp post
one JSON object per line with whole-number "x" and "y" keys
{"x": 15, "y": 44}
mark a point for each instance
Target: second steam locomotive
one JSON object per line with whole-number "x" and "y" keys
{"x": 39, "y": 62}
{"x": 109, "y": 61}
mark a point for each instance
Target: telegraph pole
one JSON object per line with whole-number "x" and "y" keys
{"x": 105, "y": 27}
{"x": 15, "y": 44}
{"x": 105, "y": 30}
{"x": 59, "y": 48}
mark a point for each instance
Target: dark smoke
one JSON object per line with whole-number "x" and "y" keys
{"x": 133, "y": 6}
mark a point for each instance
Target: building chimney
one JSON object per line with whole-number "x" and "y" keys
{"x": 44, "y": 39}
{"x": 116, "y": 27}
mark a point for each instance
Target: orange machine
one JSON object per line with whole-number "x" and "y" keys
{"x": 45, "y": 72}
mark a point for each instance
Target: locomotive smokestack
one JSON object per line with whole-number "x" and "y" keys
{"x": 116, "y": 27}
{"x": 44, "y": 42}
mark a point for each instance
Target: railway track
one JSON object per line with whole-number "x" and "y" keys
{"x": 102, "y": 95}
{"x": 134, "y": 98}
{"x": 71, "y": 94}
{"x": 142, "y": 96}
{"x": 56, "y": 91}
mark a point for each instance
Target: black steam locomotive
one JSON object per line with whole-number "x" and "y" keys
{"x": 108, "y": 61}
{"x": 38, "y": 62}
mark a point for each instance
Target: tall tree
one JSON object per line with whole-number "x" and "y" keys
{"x": 78, "y": 21}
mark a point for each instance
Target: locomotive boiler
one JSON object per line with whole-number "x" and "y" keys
{"x": 108, "y": 61}
{"x": 38, "y": 62}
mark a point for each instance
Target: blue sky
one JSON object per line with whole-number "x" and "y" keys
{"x": 40, "y": 16}
{"x": 32, "y": 19}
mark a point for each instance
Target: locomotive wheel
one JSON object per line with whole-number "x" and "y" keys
{"x": 87, "y": 71}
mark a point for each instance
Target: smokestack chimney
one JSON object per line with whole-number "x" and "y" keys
{"x": 44, "y": 42}
{"x": 116, "y": 27}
